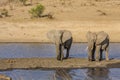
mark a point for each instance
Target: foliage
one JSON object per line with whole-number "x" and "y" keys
{"x": 37, "y": 11}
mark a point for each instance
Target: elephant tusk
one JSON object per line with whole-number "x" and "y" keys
{"x": 86, "y": 48}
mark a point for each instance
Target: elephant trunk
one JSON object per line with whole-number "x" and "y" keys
{"x": 91, "y": 51}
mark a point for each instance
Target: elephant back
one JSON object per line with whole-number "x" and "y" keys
{"x": 101, "y": 36}
{"x": 54, "y": 35}
{"x": 66, "y": 35}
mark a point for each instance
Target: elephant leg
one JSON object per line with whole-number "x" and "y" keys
{"x": 67, "y": 53}
{"x": 61, "y": 52}
{"x": 89, "y": 54}
{"x": 93, "y": 53}
{"x": 101, "y": 53}
{"x": 67, "y": 46}
{"x": 58, "y": 52}
{"x": 97, "y": 56}
{"x": 107, "y": 54}
{"x": 93, "y": 56}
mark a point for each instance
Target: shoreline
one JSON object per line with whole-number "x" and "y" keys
{"x": 44, "y": 63}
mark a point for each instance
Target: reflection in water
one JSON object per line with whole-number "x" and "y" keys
{"x": 97, "y": 74}
{"x": 65, "y": 74}
{"x": 79, "y": 74}
{"x": 36, "y": 74}
{"x": 62, "y": 74}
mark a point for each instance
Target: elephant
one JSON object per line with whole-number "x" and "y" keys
{"x": 97, "y": 43}
{"x": 62, "y": 40}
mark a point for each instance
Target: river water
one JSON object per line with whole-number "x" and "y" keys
{"x": 28, "y": 50}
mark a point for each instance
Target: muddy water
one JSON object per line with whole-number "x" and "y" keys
{"x": 27, "y": 50}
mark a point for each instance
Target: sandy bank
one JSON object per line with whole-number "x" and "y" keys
{"x": 36, "y": 31}
{"x": 50, "y": 63}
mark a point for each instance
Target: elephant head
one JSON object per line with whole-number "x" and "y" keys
{"x": 91, "y": 38}
{"x": 59, "y": 38}
{"x": 55, "y": 36}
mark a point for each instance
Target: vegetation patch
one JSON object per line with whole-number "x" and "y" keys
{"x": 37, "y": 11}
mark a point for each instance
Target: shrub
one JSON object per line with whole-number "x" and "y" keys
{"x": 37, "y": 11}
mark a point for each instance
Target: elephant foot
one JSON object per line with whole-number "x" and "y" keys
{"x": 58, "y": 57}
{"x": 90, "y": 59}
{"x": 107, "y": 59}
{"x": 97, "y": 60}
{"x": 62, "y": 57}
{"x": 66, "y": 57}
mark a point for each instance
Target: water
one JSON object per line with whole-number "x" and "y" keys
{"x": 65, "y": 74}
{"x": 27, "y": 50}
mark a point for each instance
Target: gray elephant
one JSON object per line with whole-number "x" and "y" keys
{"x": 63, "y": 40}
{"x": 97, "y": 43}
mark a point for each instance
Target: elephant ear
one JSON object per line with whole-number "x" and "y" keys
{"x": 66, "y": 35}
{"x": 51, "y": 35}
{"x": 54, "y": 36}
{"x": 101, "y": 36}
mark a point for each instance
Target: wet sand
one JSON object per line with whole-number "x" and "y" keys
{"x": 51, "y": 63}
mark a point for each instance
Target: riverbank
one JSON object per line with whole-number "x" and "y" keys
{"x": 35, "y": 31}
{"x": 34, "y": 63}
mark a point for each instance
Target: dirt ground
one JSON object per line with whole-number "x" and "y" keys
{"x": 78, "y": 16}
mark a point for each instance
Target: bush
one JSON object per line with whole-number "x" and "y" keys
{"x": 37, "y": 11}
{"x": 23, "y": 1}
